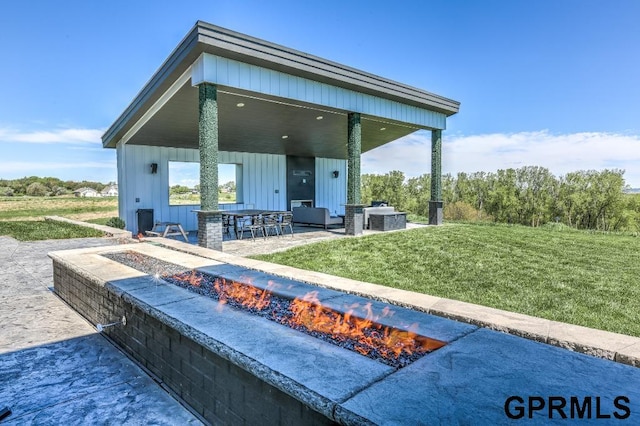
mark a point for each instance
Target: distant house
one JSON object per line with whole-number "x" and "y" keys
{"x": 86, "y": 192}
{"x": 110, "y": 191}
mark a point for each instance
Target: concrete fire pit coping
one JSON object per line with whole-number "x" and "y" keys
{"x": 602, "y": 344}
{"x": 316, "y": 372}
{"x": 466, "y": 381}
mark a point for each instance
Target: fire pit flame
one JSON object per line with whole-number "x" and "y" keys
{"x": 309, "y": 314}
{"x": 368, "y": 334}
{"x": 357, "y": 327}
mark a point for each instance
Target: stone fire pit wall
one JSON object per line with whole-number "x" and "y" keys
{"x": 215, "y": 388}
{"x": 229, "y": 366}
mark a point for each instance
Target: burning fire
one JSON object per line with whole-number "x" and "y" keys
{"x": 358, "y": 325}
{"x": 368, "y": 334}
{"x": 247, "y": 295}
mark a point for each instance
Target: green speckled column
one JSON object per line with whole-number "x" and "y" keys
{"x": 353, "y": 208}
{"x": 208, "y": 144}
{"x": 435, "y": 203}
{"x": 209, "y": 218}
{"x": 354, "y": 150}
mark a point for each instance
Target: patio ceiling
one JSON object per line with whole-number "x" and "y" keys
{"x": 260, "y": 124}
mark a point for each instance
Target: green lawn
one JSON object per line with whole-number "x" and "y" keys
{"x": 37, "y": 207}
{"x": 40, "y": 230}
{"x": 551, "y": 272}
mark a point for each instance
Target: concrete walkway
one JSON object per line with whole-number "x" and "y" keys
{"x": 54, "y": 367}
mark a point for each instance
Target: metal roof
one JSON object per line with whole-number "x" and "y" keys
{"x": 260, "y": 125}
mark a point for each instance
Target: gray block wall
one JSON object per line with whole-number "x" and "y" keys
{"x": 216, "y": 389}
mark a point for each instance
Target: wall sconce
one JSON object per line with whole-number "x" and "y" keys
{"x": 154, "y": 168}
{"x": 335, "y": 174}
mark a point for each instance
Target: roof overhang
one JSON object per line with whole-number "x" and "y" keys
{"x": 165, "y": 112}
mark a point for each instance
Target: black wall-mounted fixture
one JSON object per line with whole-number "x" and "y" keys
{"x": 335, "y": 174}
{"x": 154, "y": 168}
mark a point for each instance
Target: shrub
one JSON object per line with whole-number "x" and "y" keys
{"x": 460, "y": 211}
{"x": 36, "y": 189}
{"x": 115, "y": 222}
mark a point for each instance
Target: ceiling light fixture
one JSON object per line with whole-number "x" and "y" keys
{"x": 319, "y": 117}
{"x": 383, "y": 128}
{"x": 239, "y": 104}
{"x": 284, "y": 136}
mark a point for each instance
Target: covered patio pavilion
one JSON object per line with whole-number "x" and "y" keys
{"x": 294, "y": 125}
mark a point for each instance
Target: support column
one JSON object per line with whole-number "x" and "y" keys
{"x": 209, "y": 217}
{"x": 435, "y": 203}
{"x": 353, "y": 221}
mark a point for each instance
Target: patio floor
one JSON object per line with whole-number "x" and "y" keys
{"x": 55, "y": 368}
{"x": 301, "y": 235}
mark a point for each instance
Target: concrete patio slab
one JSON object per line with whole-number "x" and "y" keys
{"x": 54, "y": 367}
{"x": 80, "y": 379}
{"x": 470, "y": 380}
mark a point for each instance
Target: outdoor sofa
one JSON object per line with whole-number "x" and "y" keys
{"x": 315, "y": 216}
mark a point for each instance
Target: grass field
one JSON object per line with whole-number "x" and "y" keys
{"x": 34, "y": 230}
{"x": 35, "y": 208}
{"x": 551, "y": 272}
{"x": 23, "y": 217}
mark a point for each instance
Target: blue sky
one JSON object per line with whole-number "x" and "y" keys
{"x": 554, "y": 83}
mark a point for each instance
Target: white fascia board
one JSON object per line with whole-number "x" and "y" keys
{"x": 209, "y": 68}
{"x": 180, "y": 81}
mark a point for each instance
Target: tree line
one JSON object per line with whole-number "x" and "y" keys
{"x": 44, "y": 186}
{"x": 529, "y": 196}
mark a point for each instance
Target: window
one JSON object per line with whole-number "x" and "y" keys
{"x": 184, "y": 183}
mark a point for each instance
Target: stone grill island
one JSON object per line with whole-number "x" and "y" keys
{"x": 229, "y": 365}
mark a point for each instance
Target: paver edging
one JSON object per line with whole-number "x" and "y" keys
{"x": 616, "y": 347}
{"x": 108, "y": 230}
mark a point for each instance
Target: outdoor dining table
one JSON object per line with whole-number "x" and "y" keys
{"x": 237, "y": 214}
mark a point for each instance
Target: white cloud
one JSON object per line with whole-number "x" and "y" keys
{"x": 24, "y": 167}
{"x": 559, "y": 153}
{"x": 65, "y": 136}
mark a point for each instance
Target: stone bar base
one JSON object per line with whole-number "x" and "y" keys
{"x": 210, "y": 229}
{"x": 435, "y": 212}
{"x": 387, "y": 221}
{"x": 353, "y": 219}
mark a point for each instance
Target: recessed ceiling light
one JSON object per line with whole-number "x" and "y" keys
{"x": 284, "y": 136}
{"x": 239, "y": 104}
{"x": 319, "y": 117}
{"x": 383, "y": 128}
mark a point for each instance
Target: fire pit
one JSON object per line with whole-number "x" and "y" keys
{"x": 235, "y": 358}
{"x": 347, "y": 328}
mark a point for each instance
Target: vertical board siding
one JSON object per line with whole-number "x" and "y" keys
{"x": 262, "y": 175}
{"x": 331, "y": 192}
{"x": 229, "y": 72}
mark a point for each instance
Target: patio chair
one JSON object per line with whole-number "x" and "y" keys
{"x": 257, "y": 224}
{"x": 286, "y": 219}
{"x": 271, "y": 223}
{"x": 226, "y": 225}
{"x": 242, "y": 225}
